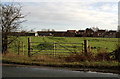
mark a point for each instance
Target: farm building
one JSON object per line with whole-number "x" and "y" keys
{"x": 44, "y": 33}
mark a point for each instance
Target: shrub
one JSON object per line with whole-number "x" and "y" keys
{"x": 75, "y": 58}
{"x": 117, "y": 53}
{"x": 79, "y": 57}
{"x": 102, "y": 55}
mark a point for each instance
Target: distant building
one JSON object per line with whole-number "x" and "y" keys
{"x": 89, "y": 32}
{"x": 71, "y": 31}
{"x": 95, "y": 34}
{"x": 59, "y": 34}
{"x": 30, "y": 34}
{"x": 101, "y": 33}
{"x": 111, "y": 34}
{"x": 80, "y": 33}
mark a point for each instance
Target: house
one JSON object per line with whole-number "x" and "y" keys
{"x": 111, "y": 34}
{"x": 71, "y": 31}
{"x": 59, "y": 34}
{"x": 101, "y": 33}
{"x": 89, "y": 32}
{"x": 40, "y": 33}
{"x": 95, "y": 34}
{"x": 80, "y": 33}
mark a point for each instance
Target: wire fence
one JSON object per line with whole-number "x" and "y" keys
{"x": 55, "y": 48}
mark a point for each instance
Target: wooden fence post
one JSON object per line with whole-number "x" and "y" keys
{"x": 29, "y": 47}
{"x": 23, "y": 48}
{"x": 82, "y": 48}
{"x": 86, "y": 46}
{"x": 89, "y": 48}
{"x": 54, "y": 48}
{"x": 18, "y": 47}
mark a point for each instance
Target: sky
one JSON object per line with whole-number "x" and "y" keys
{"x": 69, "y": 15}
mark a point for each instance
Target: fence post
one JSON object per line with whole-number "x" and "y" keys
{"x": 86, "y": 46}
{"x": 29, "y": 47}
{"x": 54, "y": 48}
{"x": 89, "y": 48}
{"x": 18, "y": 47}
{"x": 23, "y": 48}
{"x": 82, "y": 48}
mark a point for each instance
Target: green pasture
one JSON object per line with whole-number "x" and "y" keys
{"x": 46, "y": 44}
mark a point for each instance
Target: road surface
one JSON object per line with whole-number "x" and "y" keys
{"x": 49, "y": 72}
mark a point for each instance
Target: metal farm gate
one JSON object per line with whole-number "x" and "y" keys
{"x": 55, "y": 48}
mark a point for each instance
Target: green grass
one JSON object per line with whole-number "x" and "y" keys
{"x": 108, "y": 44}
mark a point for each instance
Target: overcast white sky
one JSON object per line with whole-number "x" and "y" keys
{"x": 75, "y": 15}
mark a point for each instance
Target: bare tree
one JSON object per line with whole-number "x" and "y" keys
{"x": 11, "y": 18}
{"x": 95, "y": 29}
{"x": 53, "y": 30}
{"x": 32, "y": 30}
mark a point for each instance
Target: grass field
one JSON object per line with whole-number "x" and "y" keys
{"x": 107, "y": 44}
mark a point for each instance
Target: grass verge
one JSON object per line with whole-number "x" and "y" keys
{"x": 55, "y": 62}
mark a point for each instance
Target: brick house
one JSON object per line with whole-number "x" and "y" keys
{"x": 80, "y": 33}
{"x": 89, "y": 32}
{"x": 70, "y": 33}
{"x": 111, "y": 34}
{"x": 59, "y": 34}
{"x": 95, "y": 34}
{"x": 101, "y": 33}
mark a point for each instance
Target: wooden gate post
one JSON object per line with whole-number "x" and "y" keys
{"x": 82, "y": 48}
{"x": 86, "y": 46}
{"x": 54, "y": 48}
{"x": 18, "y": 47}
{"x": 29, "y": 47}
{"x": 23, "y": 48}
{"x": 89, "y": 48}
